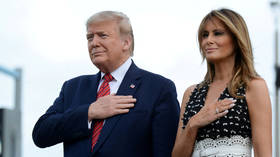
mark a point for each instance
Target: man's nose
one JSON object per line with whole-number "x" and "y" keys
{"x": 94, "y": 42}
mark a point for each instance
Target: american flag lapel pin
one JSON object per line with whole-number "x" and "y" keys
{"x": 132, "y": 86}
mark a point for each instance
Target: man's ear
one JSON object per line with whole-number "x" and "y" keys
{"x": 126, "y": 43}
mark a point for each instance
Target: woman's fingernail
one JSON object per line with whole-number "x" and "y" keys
{"x": 233, "y": 104}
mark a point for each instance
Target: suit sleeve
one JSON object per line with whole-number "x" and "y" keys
{"x": 165, "y": 121}
{"x": 61, "y": 124}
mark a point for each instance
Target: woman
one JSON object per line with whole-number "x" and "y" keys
{"x": 230, "y": 110}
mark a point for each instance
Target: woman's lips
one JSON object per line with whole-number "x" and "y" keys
{"x": 211, "y": 49}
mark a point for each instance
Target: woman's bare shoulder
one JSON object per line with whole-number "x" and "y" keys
{"x": 256, "y": 84}
{"x": 188, "y": 92}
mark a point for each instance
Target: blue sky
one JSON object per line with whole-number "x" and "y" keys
{"x": 47, "y": 39}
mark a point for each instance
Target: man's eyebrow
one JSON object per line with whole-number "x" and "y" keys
{"x": 90, "y": 33}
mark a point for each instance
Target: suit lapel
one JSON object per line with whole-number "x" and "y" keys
{"x": 92, "y": 94}
{"x": 129, "y": 85}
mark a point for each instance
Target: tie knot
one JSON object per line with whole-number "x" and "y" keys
{"x": 108, "y": 77}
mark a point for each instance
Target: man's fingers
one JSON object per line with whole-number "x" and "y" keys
{"x": 124, "y": 106}
{"x": 119, "y": 99}
{"x": 122, "y": 96}
{"x": 121, "y": 111}
{"x": 126, "y": 101}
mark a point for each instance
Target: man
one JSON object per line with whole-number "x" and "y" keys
{"x": 122, "y": 111}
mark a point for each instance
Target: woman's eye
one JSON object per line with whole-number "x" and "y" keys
{"x": 204, "y": 35}
{"x": 218, "y": 33}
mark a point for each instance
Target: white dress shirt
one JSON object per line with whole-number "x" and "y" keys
{"x": 118, "y": 76}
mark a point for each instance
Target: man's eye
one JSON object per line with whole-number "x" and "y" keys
{"x": 103, "y": 36}
{"x": 89, "y": 38}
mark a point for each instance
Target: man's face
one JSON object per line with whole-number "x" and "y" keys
{"x": 107, "y": 48}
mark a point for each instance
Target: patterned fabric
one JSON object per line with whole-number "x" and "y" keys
{"x": 236, "y": 122}
{"x": 236, "y": 146}
{"x": 103, "y": 91}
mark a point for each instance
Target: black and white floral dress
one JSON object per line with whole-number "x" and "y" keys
{"x": 228, "y": 136}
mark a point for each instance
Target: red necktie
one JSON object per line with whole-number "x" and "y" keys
{"x": 103, "y": 91}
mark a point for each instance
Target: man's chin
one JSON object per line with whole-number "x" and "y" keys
{"x": 98, "y": 62}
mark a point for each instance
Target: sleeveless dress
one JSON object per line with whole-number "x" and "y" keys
{"x": 228, "y": 136}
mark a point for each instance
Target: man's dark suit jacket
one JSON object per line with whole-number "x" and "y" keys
{"x": 148, "y": 130}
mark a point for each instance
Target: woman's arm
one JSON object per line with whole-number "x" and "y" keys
{"x": 259, "y": 106}
{"x": 185, "y": 137}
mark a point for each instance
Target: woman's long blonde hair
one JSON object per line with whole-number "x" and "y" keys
{"x": 244, "y": 70}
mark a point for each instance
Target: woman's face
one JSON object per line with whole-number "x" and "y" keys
{"x": 217, "y": 43}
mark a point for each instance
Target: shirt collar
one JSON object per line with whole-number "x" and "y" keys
{"x": 119, "y": 73}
